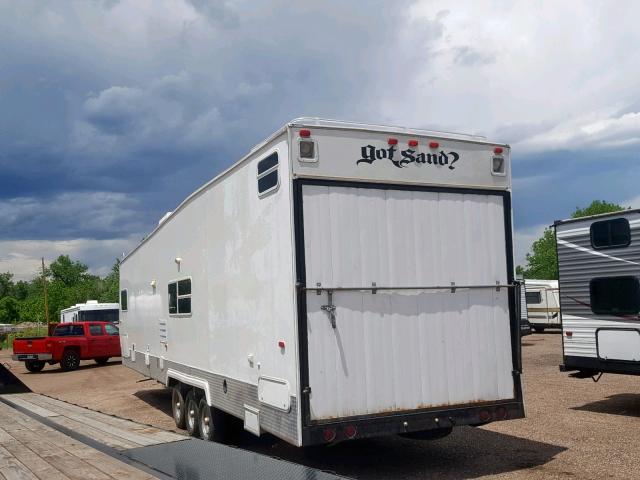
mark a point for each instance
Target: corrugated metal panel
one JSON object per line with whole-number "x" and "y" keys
{"x": 524, "y": 315}
{"x": 393, "y": 351}
{"x": 578, "y": 263}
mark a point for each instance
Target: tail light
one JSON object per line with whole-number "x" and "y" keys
{"x": 485, "y": 416}
{"x": 350, "y": 432}
{"x": 501, "y": 413}
{"x": 329, "y": 434}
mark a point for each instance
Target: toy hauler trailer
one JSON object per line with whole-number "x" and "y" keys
{"x": 340, "y": 281}
{"x": 599, "y": 270}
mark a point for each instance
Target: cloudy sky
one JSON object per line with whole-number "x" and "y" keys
{"x": 111, "y": 112}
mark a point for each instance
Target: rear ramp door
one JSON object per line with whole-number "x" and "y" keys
{"x": 397, "y": 350}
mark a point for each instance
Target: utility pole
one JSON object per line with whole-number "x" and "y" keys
{"x": 46, "y": 300}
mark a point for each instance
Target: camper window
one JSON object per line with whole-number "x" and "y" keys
{"x": 180, "y": 297}
{"x": 615, "y": 295}
{"x": 533, "y": 297}
{"x": 610, "y": 233}
{"x": 268, "y": 174}
{"x": 123, "y": 300}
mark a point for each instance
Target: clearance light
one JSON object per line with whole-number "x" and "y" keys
{"x": 498, "y": 150}
{"x": 281, "y": 344}
{"x": 569, "y": 334}
{"x": 434, "y": 144}
{"x": 305, "y": 133}
{"x": 392, "y": 141}
{"x": 413, "y": 143}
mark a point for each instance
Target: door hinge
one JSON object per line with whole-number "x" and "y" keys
{"x": 306, "y": 390}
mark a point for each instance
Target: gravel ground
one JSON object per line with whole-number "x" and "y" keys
{"x": 574, "y": 428}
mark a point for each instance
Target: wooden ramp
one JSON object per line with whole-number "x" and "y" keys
{"x": 31, "y": 450}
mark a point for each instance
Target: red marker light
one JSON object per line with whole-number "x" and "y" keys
{"x": 413, "y": 143}
{"x": 434, "y": 144}
{"x": 329, "y": 434}
{"x": 281, "y": 343}
{"x": 569, "y": 334}
{"x": 350, "y": 431}
{"x": 498, "y": 150}
{"x": 304, "y": 133}
{"x": 392, "y": 141}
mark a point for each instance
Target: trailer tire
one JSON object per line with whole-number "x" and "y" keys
{"x": 191, "y": 414}
{"x": 70, "y": 360}
{"x": 101, "y": 360}
{"x": 34, "y": 366}
{"x": 178, "y": 407}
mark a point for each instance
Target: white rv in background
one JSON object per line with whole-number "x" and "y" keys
{"x": 340, "y": 281}
{"x": 599, "y": 267}
{"x": 543, "y": 304}
{"x": 91, "y": 311}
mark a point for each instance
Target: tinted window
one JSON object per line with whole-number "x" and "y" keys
{"x": 268, "y": 163}
{"x": 173, "y": 298}
{"x": 268, "y": 174}
{"x": 615, "y": 295}
{"x": 123, "y": 300}
{"x": 610, "y": 233}
{"x": 112, "y": 330}
{"x": 95, "y": 330}
{"x": 110, "y": 315}
{"x": 180, "y": 297}
{"x": 533, "y": 297}
{"x": 68, "y": 330}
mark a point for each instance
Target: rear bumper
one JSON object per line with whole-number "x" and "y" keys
{"x": 21, "y": 357}
{"x": 418, "y": 421}
{"x": 597, "y": 365}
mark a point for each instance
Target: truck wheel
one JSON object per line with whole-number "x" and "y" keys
{"x": 191, "y": 414}
{"x": 102, "y": 360}
{"x": 34, "y": 366}
{"x": 178, "y": 407}
{"x": 70, "y": 360}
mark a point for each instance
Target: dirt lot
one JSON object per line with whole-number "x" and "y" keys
{"x": 574, "y": 428}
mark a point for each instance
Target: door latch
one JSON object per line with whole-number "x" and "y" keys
{"x": 330, "y": 308}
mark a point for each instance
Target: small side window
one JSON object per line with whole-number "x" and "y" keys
{"x": 123, "y": 300}
{"x": 268, "y": 180}
{"x": 180, "y": 297}
{"x": 614, "y": 233}
{"x": 615, "y": 295}
{"x": 533, "y": 297}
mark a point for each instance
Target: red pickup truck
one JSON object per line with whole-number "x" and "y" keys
{"x": 67, "y": 344}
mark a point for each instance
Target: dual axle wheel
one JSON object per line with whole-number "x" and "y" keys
{"x": 192, "y": 412}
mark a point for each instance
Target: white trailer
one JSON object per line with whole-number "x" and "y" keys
{"x": 91, "y": 311}
{"x": 599, "y": 270}
{"x": 543, "y": 304}
{"x": 340, "y": 281}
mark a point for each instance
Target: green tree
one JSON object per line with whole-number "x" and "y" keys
{"x": 68, "y": 272}
{"x": 9, "y": 310}
{"x": 542, "y": 262}
{"x": 6, "y": 284}
{"x": 111, "y": 284}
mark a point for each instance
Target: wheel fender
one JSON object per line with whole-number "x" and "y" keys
{"x": 189, "y": 380}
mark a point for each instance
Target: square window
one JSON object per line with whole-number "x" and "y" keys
{"x": 615, "y": 295}
{"x": 614, "y": 233}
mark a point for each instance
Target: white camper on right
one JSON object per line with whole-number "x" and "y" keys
{"x": 543, "y": 303}
{"x": 599, "y": 267}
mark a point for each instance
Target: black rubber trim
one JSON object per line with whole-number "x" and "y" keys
{"x": 605, "y": 366}
{"x": 90, "y": 442}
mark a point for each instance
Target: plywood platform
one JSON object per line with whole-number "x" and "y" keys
{"x": 30, "y": 449}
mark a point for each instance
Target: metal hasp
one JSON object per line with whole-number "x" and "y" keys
{"x": 330, "y": 308}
